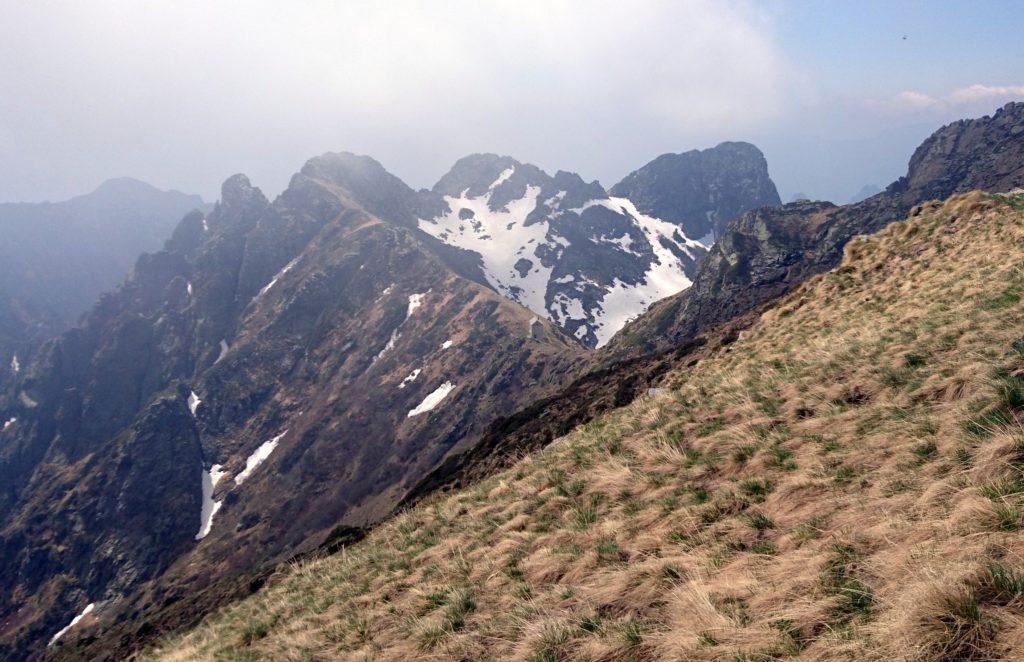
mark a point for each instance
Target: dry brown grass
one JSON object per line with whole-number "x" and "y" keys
{"x": 843, "y": 481}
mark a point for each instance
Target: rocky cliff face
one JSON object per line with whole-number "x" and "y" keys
{"x": 767, "y": 251}
{"x": 57, "y": 258}
{"x": 702, "y": 190}
{"x": 588, "y": 260}
{"x": 282, "y": 367}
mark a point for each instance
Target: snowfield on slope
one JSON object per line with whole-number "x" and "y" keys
{"x": 501, "y": 238}
{"x": 432, "y": 400}
{"x": 664, "y": 277}
{"x": 224, "y": 347}
{"x": 277, "y": 277}
{"x": 193, "y": 402}
{"x": 258, "y": 457}
{"x": 209, "y": 507}
{"x": 74, "y": 621}
{"x": 510, "y": 252}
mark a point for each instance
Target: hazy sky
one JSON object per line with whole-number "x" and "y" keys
{"x": 184, "y": 94}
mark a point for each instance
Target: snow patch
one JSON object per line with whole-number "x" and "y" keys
{"x": 554, "y": 203}
{"x": 15, "y": 366}
{"x": 565, "y": 308}
{"x": 581, "y": 331}
{"x": 206, "y": 226}
{"x": 624, "y": 242}
{"x": 223, "y": 351}
{"x": 74, "y": 621}
{"x": 410, "y": 378}
{"x": 415, "y": 301}
{"x": 502, "y": 239}
{"x": 395, "y": 335}
{"x": 210, "y": 507}
{"x": 27, "y": 400}
{"x": 568, "y": 278}
{"x": 384, "y": 293}
{"x": 665, "y": 276}
{"x": 11, "y": 421}
{"x": 258, "y": 457}
{"x": 502, "y": 178}
{"x": 446, "y": 344}
{"x": 193, "y": 402}
{"x": 277, "y": 276}
{"x": 433, "y": 399}
{"x": 188, "y": 288}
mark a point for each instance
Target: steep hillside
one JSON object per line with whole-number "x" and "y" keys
{"x": 57, "y": 258}
{"x": 285, "y": 368}
{"x": 282, "y": 367}
{"x": 843, "y": 480}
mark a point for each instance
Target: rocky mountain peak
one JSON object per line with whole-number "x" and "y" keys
{"x": 865, "y": 192}
{"x": 568, "y": 250}
{"x": 963, "y": 155}
{"x": 56, "y": 258}
{"x": 701, "y": 190}
{"x": 343, "y": 167}
{"x": 238, "y": 192}
{"x": 189, "y": 233}
{"x": 476, "y": 174}
{"x": 356, "y": 172}
{"x": 366, "y": 182}
{"x": 121, "y": 186}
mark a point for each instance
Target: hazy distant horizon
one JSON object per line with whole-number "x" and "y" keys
{"x": 183, "y": 95}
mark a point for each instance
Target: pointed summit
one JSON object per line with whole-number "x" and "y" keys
{"x": 367, "y": 182}
{"x": 237, "y": 189}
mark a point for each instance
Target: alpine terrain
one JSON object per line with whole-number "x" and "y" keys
{"x": 287, "y": 376}
{"x": 762, "y": 255}
{"x": 842, "y": 481}
{"x": 584, "y": 258}
{"x": 404, "y": 389}
{"x": 284, "y": 372}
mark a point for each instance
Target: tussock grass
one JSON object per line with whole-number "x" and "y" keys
{"x": 846, "y": 480}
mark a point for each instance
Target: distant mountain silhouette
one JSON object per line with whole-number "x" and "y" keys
{"x": 57, "y": 258}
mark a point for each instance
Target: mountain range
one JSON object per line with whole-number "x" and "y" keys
{"x": 284, "y": 374}
{"x": 841, "y": 481}
{"x": 337, "y": 343}
{"x": 762, "y": 255}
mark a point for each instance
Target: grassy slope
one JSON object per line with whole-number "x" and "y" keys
{"x": 844, "y": 481}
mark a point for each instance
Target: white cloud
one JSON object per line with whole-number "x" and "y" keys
{"x": 186, "y": 93}
{"x": 910, "y": 100}
{"x": 987, "y": 94}
{"x": 963, "y": 100}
